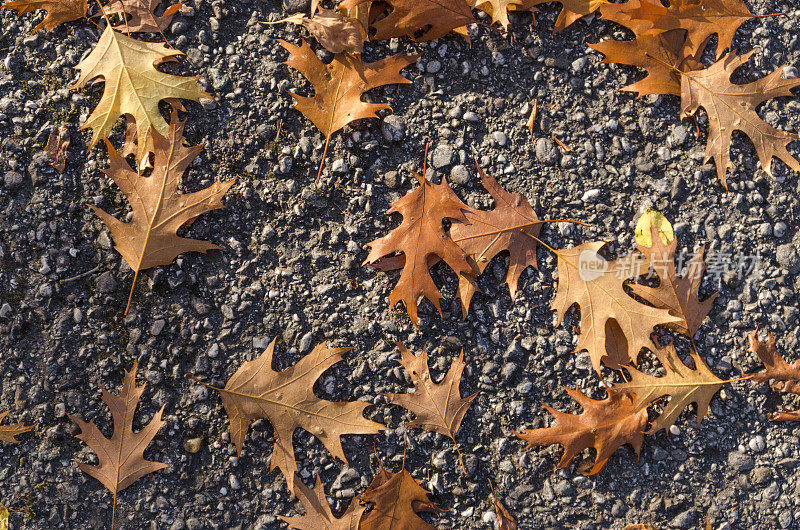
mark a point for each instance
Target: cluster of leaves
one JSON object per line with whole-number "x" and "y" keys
{"x": 134, "y": 88}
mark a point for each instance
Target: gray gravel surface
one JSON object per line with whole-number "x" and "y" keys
{"x": 291, "y": 268}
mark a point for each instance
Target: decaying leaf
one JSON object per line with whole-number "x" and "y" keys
{"x": 731, "y": 107}
{"x": 9, "y": 433}
{"x": 133, "y": 86}
{"x": 422, "y": 240}
{"x": 58, "y": 11}
{"x": 3, "y": 517}
{"x": 684, "y": 385}
{"x": 286, "y": 399}
{"x": 438, "y": 407}
{"x": 699, "y": 18}
{"x": 121, "y": 457}
{"x": 398, "y": 499}
{"x": 141, "y": 15}
{"x": 680, "y": 295}
{"x": 531, "y": 123}
{"x": 604, "y": 425}
{"x": 596, "y": 286}
{"x": 159, "y": 211}
{"x": 571, "y": 12}
{"x": 511, "y": 226}
{"x": 662, "y": 55}
{"x": 336, "y": 32}
{"x": 505, "y": 521}
{"x": 652, "y": 217}
{"x": 57, "y": 145}
{"x": 781, "y": 376}
{"x": 318, "y": 512}
{"x": 433, "y": 18}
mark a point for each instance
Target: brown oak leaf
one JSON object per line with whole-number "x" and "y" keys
{"x": 662, "y": 55}
{"x": 498, "y": 9}
{"x": 318, "y": 512}
{"x": 684, "y": 385}
{"x": 57, "y": 145}
{"x": 679, "y": 294}
{"x": 732, "y": 107}
{"x": 511, "y": 226}
{"x": 422, "y": 240}
{"x": 9, "y": 433}
{"x": 700, "y": 18}
{"x": 286, "y": 399}
{"x": 505, "y": 521}
{"x": 438, "y": 407}
{"x": 398, "y": 499}
{"x": 433, "y": 18}
{"x": 141, "y": 15}
{"x": 159, "y": 211}
{"x": 571, "y": 11}
{"x": 58, "y": 11}
{"x": 335, "y": 31}
{"x": 121, "y": 457}
{"x": 596, "y": 286}
{"x": 604, "y": 425}
{"x": 781, "y": 376}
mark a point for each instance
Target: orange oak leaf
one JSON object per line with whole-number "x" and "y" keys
{"x": 684, "y": 385}
{"x": 335, "y": 31}
{"x": 9, "y": 433}
{"x": 700, "y": 18}
{"x": 505, "y": 521}
{"x": 511, "y": 226}
{"x": 498, "y": 9}
{"x": 421, "y": 238}
{"x": 141, "y": 15}
{"x": 680, "y": 295}
{"x": 781, "y": 376}
{"x": 58, "y": 11}
{"x": 433, "y": 18}
{"x": 159, "y": 211}
{"x": 604, "y": 425}
{"x": 286, "y": 399}
{"x": 57, "y": 145}
{"x": 596, "y": 286}
{"x": 398, "y": 499}
{"x": 438, "y": 407}
{"x": 121, "y": 457}
{"x": 571, "y": 11}
{"x": 731, "y": 107}
{"x": 318, "y": 512}
{"x": 662, "y": 55}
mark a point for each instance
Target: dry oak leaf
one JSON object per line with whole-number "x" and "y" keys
{"x": 422, "y": 239}
{"x": 133, "y": 86}
{"x": 57, "y": 145}
{"x": 398, "y": 499}
{"x": 9, "y": 433}
{"x": 731, "y": 107}
{"x": 511, "y": 226}
{"x": 339, "y": 85}
{"x": 434, "y": 18}
{"x": 571, "y": 11}
{"x": 58, "y": 11}
{"x": 683, "y": 384}
{"x": 318, "y": 512}
{"x": 505, "y": 521}
{"x": 142, "y": 15}
{"x": 159, "y": 211}
{"x": 700, "y": 18}
{"x": 605, "y": 425}
{"x": 286, "y": 399}
{"x": 335, "y": 31}
{"x": 680, "y": 295}
{"x": 782, "y": 376}
{"x": 596, "y": 286}
{"x": 121, "y": 457}
{"x": 438, "y": 407}
{"x": 662, "y": 55}
{"x": 498, "y": 9}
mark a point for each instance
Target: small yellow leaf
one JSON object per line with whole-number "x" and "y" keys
{"x": 661, "y": 224}
{"x": 3, "y": 517}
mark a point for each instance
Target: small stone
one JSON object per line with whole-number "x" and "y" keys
{"x": 459, "y": 175}
{"x": 591, "y": 195}
{"x": 12, "y": 180}
{"x": 674, "y": 430}
{"x": 5, "y": 310}
{"x": 305, "y": 342}
{"x": 393, "y": 128}
{"x": 471, "y": 117}
{"x": 546, "y": 151}
{"x": 296, "y": 6}
{"x": 500, "y": 137}
{"x": 433, "y": 67}
{"x": 106, "y": 283}
{"x": 787, "y": 258}
{"x": 157, "y": 327}
{"x": 740, "y": 462}
{"x": 339, "y": 166}
{"x": 104, "y": 241}
{"x": 193, "y": 445}
{"x": 779, "y": 229}
{"x": 442, "y": 156}
{"x": 218, "y": 80}
{"x": 757, "y": 444}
